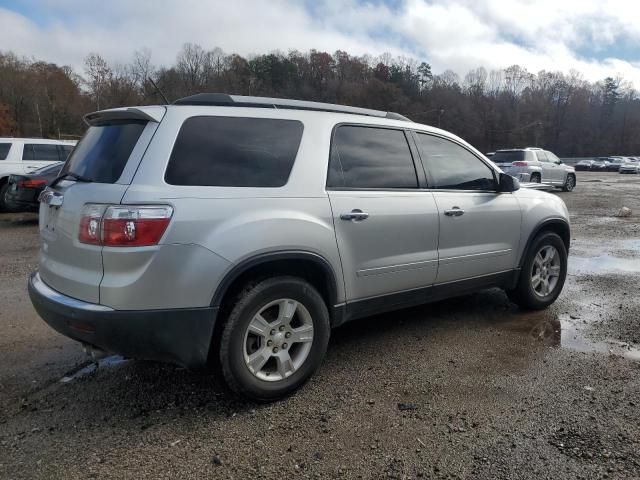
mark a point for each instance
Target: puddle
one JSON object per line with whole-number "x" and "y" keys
{"x": 631, "y": 244}
{"x": 603, "y": 264}
{"x": 105, "y": 362}
{"x": 565, "y": 332}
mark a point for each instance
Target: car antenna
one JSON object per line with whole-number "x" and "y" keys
{"x": 167, "y": 102}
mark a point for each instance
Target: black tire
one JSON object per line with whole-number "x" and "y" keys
{"x": 4, "y": 187}
{"x": 523, "y": 294}
{"x": 570, "y": 183}
{"x": 232, "y": 342}
{"x": 536, "y": 178}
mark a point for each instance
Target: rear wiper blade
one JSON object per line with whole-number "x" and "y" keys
{"x": 75, "y": 176}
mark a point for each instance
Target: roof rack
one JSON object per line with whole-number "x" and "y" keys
{"x": 224, "y": 100}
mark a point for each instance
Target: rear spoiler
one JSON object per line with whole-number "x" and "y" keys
{"x": 149, "y": 114}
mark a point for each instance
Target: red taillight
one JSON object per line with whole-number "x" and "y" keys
{"x": 31, "y": 183}
{"x": 125, "y": 226}
{"x": 519, "y": 164}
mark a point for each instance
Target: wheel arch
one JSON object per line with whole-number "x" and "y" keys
{"x": 556, "y": 225}
{"x": 307, "y": 265}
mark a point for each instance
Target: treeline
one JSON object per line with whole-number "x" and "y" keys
{"x": 491, "y": 109}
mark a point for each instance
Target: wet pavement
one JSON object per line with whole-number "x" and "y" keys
{"x": 495, "y": 392}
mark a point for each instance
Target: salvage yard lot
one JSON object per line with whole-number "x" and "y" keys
{"x": 466, "y": 388}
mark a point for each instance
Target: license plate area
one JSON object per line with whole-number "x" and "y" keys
{"x": 51, "y": 218}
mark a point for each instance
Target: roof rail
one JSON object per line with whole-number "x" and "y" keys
{"x": 224, "y": 100}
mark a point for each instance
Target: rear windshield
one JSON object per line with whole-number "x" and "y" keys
{"x": 508, "y": 157}
{"x": 234, "y": 152}
{"x": 104, "y": 150}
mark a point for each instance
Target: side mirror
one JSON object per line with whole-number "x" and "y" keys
{"x": 507, "y": 183}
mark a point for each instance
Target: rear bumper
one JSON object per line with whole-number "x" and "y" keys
{"x": 181, "y": 336}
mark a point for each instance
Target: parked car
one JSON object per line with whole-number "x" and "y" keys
{"x": 23, "y": 190}
{"x": 19, "y": 156}
{"x": 600, "y": 165}
{"x": 615, "y": 163}
{"x": 241, "y": 230}
{"x": 631, "y": 166}
{"x": 537, "y": 166}
{"x": 490, "y": 154}
{"x": 584, "y": 165}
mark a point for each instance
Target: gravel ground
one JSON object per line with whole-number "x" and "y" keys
{"x": 466, "y": 388}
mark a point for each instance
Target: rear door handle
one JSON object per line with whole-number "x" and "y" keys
{"x": 355, "y": 215}
{"x": 454, "y": 212}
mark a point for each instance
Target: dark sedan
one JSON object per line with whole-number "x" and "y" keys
{"x": 601, "y": 164}
{"x": 23, "y": 191}
{"x": 584, "y": 165}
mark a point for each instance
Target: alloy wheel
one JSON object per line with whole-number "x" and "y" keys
{"x": 545, "y": 271}
{"x": 278, "y": 340}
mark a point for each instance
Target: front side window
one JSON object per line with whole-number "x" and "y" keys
{"x": 369, "y": 157}
{"x": 41, "y": 152}
{"x": 542, "y": 156}
{"x": 451, "y": 166}
{"x": 4, "y": 150}
{"x": 234, "y": 152}
{"x": 552, "y": 158}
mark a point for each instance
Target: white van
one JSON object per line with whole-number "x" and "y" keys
{"x": 19, "y": 156}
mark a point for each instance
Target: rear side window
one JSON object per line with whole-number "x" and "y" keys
{"x": 234, "y": 152}
{"x": 104, "y": 150}
{"x": 4, "y": 150}
{"x": 41, "y": 152}
{"x": 368, "y": 157}
{"x": 454, "y": 167}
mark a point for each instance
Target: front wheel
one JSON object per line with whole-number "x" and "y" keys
{"x": 543, "y": 273}
{"x": 570, "y": 183}
{"x": 274, "y": 339}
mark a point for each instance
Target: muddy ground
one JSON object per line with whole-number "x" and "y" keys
{"x": 466, "y": 388}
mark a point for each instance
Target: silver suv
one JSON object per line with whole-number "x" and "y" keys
{"x": 537, "y": 166}
{"x": 239, "y": 231}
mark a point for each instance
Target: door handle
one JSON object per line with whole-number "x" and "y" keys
{"x": 356, "y": 215}
{"x": 454, "y": 212}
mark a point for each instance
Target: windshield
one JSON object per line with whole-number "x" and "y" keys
{"x": 508, "y": 156}
{"x": 104, "y": 150}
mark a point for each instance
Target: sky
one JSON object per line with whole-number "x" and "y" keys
{"x": 599, "y": 38}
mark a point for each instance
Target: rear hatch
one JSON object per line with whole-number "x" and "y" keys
{"x": 106, "y": 159}
{"x": 505, "y": 158}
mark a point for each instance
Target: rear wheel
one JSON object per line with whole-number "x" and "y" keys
{"x": 536, "y": 178}
{"x": 274, "y": 339}
{"x": 570, "y": 183}
{"x": 4, "y": 206}
{"x": 543, "y": 273}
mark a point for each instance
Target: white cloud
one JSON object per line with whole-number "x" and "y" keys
{"x": 457, "y": 35}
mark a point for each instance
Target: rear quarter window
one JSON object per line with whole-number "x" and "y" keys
{"x": 4, "y": 150}
{"x": 234, "y": 152}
